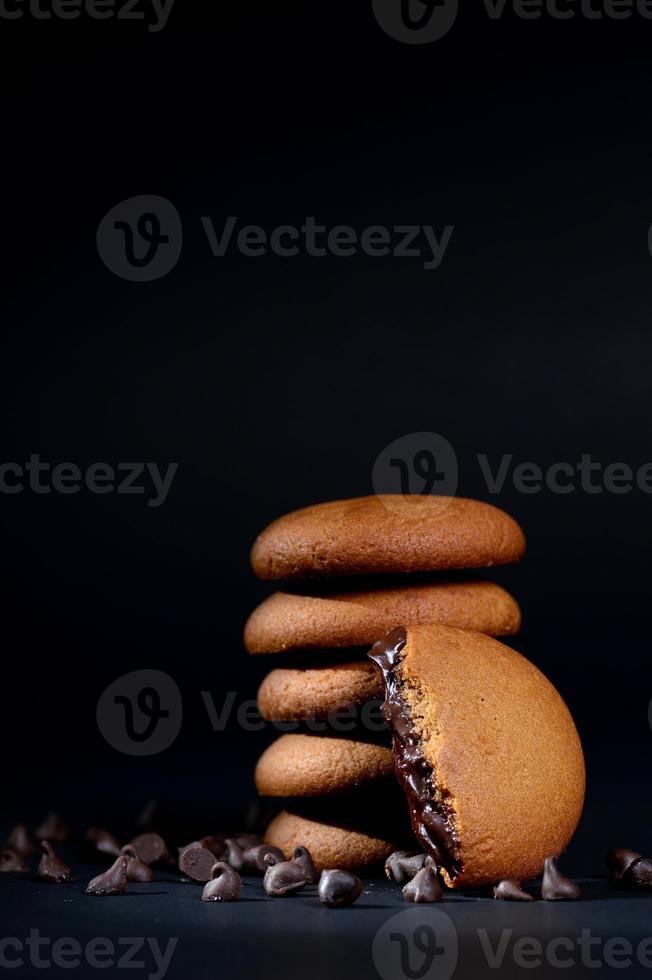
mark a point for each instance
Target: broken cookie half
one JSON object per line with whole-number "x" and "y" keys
{"x": 485, "y": 750}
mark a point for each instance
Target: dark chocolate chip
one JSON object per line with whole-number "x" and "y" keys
{"x": 245, "y": 841}
{"x": 98, "y": 841}
{"x": 556, "y": 887}
{"x": 19, "y": 841}
{"x": 424, "y": 887}
{"x": 638, "y": 874}
{"x": 137, "y": 870}
{"x": 283, "y": 877}
{"x": 51, "y": 868}
{"x": 253, "y": 859}
{"x": 224, "y": 885}
{"x": 303, "y": 858}
{"x": 214, "y": 843}
{"x": 402, "y": 866}
{"x": 338, "y": 888}
{"x": 196, "y": 862}
{"x": 510, "y": 890}
{"x": 55, "y": 829}
{"x": 11, "y": 861}
{"x": 111, "y": 882}
{"x": 233, "y": 854}
{"x": 150, "y": 848}
{"x": 619, "y": 859}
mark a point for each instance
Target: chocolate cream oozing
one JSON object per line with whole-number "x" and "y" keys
{"x": 432, "y": 820}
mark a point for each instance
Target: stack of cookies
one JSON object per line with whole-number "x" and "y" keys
{"x": 353, "y": 571}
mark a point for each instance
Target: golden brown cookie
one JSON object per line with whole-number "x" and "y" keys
{"x": 297, "y": 694}
{"x": 330, "y": 845}
{"x": 316, "y": 765}
{"x": 486, "y": 752}
{"x": 387, "y": 533}
{"x": 293, "y": 621}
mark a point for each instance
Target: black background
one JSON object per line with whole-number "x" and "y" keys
{"x": 275, "y": 382}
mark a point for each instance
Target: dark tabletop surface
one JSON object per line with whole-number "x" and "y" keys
{"x": 163, "y": 929}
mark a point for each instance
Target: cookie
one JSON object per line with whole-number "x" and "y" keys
{"x": 330, "y": 845}
{"x": 297, "y": 694}
{"x": 294, "y": 621}
{"x": 315, "y": 765}
{"x": 486, "y": 752}
{"x": 387, "y": 533}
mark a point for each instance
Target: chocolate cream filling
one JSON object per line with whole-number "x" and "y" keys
{"x": 432, "y": 819}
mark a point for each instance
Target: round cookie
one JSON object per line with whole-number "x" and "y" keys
{"x": 486, "y": 752}
{"x": 299, "y": 694}
{"x": 330, "y": 845}
{"x": 386, "y": 533}
{"x": 316, "y": 765}
{"x": 293, "y": 621}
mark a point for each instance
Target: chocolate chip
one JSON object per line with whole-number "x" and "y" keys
{"x": 619, "y": 859}
{"x": 97, "y": 841}
{"x": 233, "y": 854}
{"x": 245, "y": 841}
{"x": 338, "y": 888}
{"x": 51, "y": 868}
{"x": 224, "y": 885}
{"x": 510, "y": 890}
{"x": 19, "y": 841}
{"x": 253, "y": 858}
{"x": 424, "y": 887}
{"x": 150, "y": 848}
{"x": 11, "y": 861}
{"x": 55, "y": 829}
{"x": 283, "y": 877}
{"x": 196, "y": 862}
{"x": 111, "y": 882}
{"x": 638, "y": 874}
{"x": 556, "y": 887}
{"x": 403, "y": 865}
{"x": 137, "y": 870}
{"x": 303, "y": 858}
{"x": 213, "y": 843}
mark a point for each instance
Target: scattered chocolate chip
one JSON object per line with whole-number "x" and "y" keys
{"x": 224, "y": 885}
{"x": 55, "y": 829}
{"x": 556, "y": 887}
{"x": 213, "y": 843}
{"x": 510, "y": 890}
{"x": 403, "y": 865}
{"x": 19, "y": 842}
{"x": 619, "y": 859}
{"x": 51, "y": 868}
{"x": 153, "y": 816}
{"x": 245, "y": 841}
{"x": 196, "y": 862}
{"x": 253, "y": 859}
{"x": 424, "y": 887}
{"x": 137, "y": 870}
{"x": 233, "y": 854}
{"x": 303, "y": 858}
{"x": 283, "y": 877}
{"x": 99, "y": 841}
{"x": 150, "y": 848}
{"x": 338, "y": 888}
{"x": 638, "y": 874}
{"x": 11, "y": 861}
{"x": 111, "y": 882}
